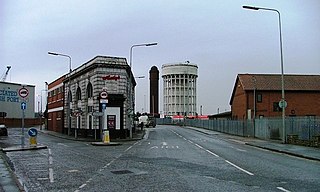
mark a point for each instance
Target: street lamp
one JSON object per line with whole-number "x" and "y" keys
{"x": 130, "y": 90}
{"x": 47, "y": 105}
{"x": 140, "y": 77}
{"x": 68, "y": 99}
{"x": 40, "y": 111}
{"x": 140, "y": 45}
{"x": 283, "y": 102}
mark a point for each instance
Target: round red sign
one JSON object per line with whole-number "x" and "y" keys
{"x": 104, "y": 95}
{"x": 23, "y": 92}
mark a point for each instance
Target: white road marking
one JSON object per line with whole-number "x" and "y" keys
{"x": 241, "y": 169}
{"x": 242, "y": 150}
{"x": 108, "y": 164}
{"x": 39, "y": 170}
{"x": 42, "y": 179}
{"x": 62, "y": 144}
{"x": 190, "y": 141}
{"x": 247, "y": 172}
{"x": 50, "y": 164}
{"x": 198, "y": 146}
{"x": 128, "y": 148}
{"x": 51, "y": 175}
{"x": 209, "y": 177}
{"x": 237, "y": 141}
{"x": 212, "y": 153}
{"x": 283, "y": 189}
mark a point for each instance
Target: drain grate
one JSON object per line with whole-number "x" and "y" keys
{"x": 121, "y": 172}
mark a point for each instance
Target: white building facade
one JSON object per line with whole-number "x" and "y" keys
{"x": 180, "y": 89}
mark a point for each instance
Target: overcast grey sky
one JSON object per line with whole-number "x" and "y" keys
{"x": 221, "y": 37}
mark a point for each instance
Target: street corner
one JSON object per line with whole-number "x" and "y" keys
{"x": 23, "y": 148}
{"x": 105, "y": 144}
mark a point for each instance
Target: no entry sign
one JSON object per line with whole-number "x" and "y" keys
{"x": 23, "y": 92}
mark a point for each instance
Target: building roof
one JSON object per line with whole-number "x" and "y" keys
{"x": 272, "y": 82}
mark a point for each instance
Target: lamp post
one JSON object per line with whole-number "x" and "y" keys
{"x": 131, "y": 108}
{"x": 47, "y": 110}
{"x": 41, "y": 112}
{"x": 68, "y": 99}
{"x": 283, "y": 102}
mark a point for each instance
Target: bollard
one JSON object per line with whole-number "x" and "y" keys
{"x": 106, "y": 138}
{"x": 33, "y": 141}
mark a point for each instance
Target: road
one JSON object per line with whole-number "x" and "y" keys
{"x": 169, "y": 159}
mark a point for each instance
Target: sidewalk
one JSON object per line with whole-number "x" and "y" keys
{"x": 271, "y": 145}
{"x": 8, "y": 181}
{"x": 135, "y": 136}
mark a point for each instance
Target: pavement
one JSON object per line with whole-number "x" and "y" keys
{"x": 8, "y": 180}
{"x": 10, "y": 183}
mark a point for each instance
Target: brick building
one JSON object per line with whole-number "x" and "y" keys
{"x": 258, "y": 95}
{"x": 83, "y": 87}
{"x": 55, "y": 105}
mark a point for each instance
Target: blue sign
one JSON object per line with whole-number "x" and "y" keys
{"x": 32, "y": 132}
{"x": 104, "y": 105}
{"x": 23, "y": 105}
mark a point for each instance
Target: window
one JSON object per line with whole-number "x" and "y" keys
{"x": 276, "y": 107}
{"x": 78, "y": 94}
{"x": 70, "y": 96}
{"x": 89, "y": 90}
{"x": 259, "y": 98}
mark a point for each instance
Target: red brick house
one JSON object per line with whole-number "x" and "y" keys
{"x": 55, "y": 105}
{"x": 258, "y": 95}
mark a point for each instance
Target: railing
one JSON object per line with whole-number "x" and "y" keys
{"x": 306, "y": 128}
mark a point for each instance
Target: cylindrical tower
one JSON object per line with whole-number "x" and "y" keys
{"x": 180, "y": 88}
{"x": 154, "y": 91}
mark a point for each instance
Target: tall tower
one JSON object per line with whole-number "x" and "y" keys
{"x": 154, "y": 91}
{"x": 180, "y": 88}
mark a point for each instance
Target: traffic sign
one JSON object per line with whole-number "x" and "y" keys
{"x": 103, "y": 95}
{"x": 32, "y": 132}
{"x": 23, "y": 92}
{"x": 283, "y": 104}
{"x": 99, "y": 114}
{"x": 23, "y": 105}
{"x": 103, "y": 100}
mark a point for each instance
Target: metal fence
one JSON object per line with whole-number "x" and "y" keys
{"x": 266, "y": 128}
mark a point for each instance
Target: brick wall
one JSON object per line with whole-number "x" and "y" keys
{"x": 17, "y": 122}
{"x": 239, "y": 104}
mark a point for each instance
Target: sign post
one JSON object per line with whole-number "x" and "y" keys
{"x": 104, "y": 100}
{"x": 23, "y": 92}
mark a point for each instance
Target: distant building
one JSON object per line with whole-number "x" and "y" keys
{"x": 103, "y": 82}
{"x": 16, "y": 99}
{"x": 258, "y": 95}
{"x": 154, "y": 91}
{"x": 224, "y": 115}
{"x": 11, "y": 101}
{"x": 180, "y": 89}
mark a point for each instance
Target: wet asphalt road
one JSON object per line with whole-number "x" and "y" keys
{"x": 170, "y": 159}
